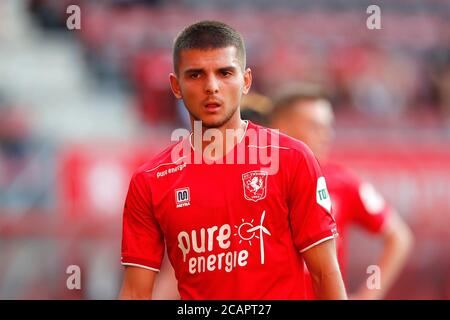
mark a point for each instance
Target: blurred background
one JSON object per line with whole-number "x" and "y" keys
{"x": 80, "y": 110}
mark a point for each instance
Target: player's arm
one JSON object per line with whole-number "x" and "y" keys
{"x": 137, "y": 284}
{"x": 326, "y": 276}
{"x": 397, "y": 243}
{"x": 142, "y": 242}
{"x": 166, "y": 284}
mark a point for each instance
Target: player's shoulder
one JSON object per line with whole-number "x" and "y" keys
{"x": 276, "y": 139}
{"x": 163, "y": 160}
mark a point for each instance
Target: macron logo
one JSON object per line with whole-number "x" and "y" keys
{"x": 182, "y": 197}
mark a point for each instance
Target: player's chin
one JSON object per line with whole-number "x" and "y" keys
{"x": 213, "y": 121}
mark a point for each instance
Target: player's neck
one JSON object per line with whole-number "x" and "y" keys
{"x": 230, "y": 134}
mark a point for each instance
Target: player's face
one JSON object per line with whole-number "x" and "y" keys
{"x": 211, "y": 83}
{"x": 312, "y": 123}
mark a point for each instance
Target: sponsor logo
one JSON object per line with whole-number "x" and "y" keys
{"x": 322, "y": 196}
{"x": 247, "y": 231}
{"x": 182, "y": 197}
{"x": 166, "y": 172}
{"x": 210, "y": 249}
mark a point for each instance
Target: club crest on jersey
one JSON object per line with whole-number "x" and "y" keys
{"x": 255, "y": 185}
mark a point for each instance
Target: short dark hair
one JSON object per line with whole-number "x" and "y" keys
{"x": 208, "y": 35}
{"x": 288, "y": 96}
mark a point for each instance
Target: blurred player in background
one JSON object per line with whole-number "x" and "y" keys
{"x": 197, "y": 210}
{"x": 256, "y": 108}
{"x": 302, "y": 111}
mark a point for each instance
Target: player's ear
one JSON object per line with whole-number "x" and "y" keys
{"x": 175, "y": 85}
{"x": 247, "y": 80}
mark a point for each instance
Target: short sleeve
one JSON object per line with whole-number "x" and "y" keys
{"x": 370, "y": 209}
{"x": 310, "y": 204}
{"x": 142, "y": 238}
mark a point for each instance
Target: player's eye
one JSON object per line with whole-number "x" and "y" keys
{"x": 226, "y": 73}
{"x": 194, "y": 75}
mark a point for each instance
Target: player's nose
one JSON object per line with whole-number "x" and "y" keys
{"x": 211, "y": 85}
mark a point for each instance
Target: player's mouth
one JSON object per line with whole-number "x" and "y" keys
{"x": 212, "y": 106}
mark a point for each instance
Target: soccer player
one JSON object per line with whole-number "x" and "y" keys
{"x": 303, "y": 112}
{"x": 239, "y": 230}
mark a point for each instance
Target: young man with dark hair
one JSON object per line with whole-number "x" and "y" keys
{"x": 303, "y": 112}
{"x": 233, "y": 229}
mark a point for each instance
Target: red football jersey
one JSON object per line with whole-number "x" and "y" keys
{"x": 233, "y": 231}
{"x": 354, "y": 203}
